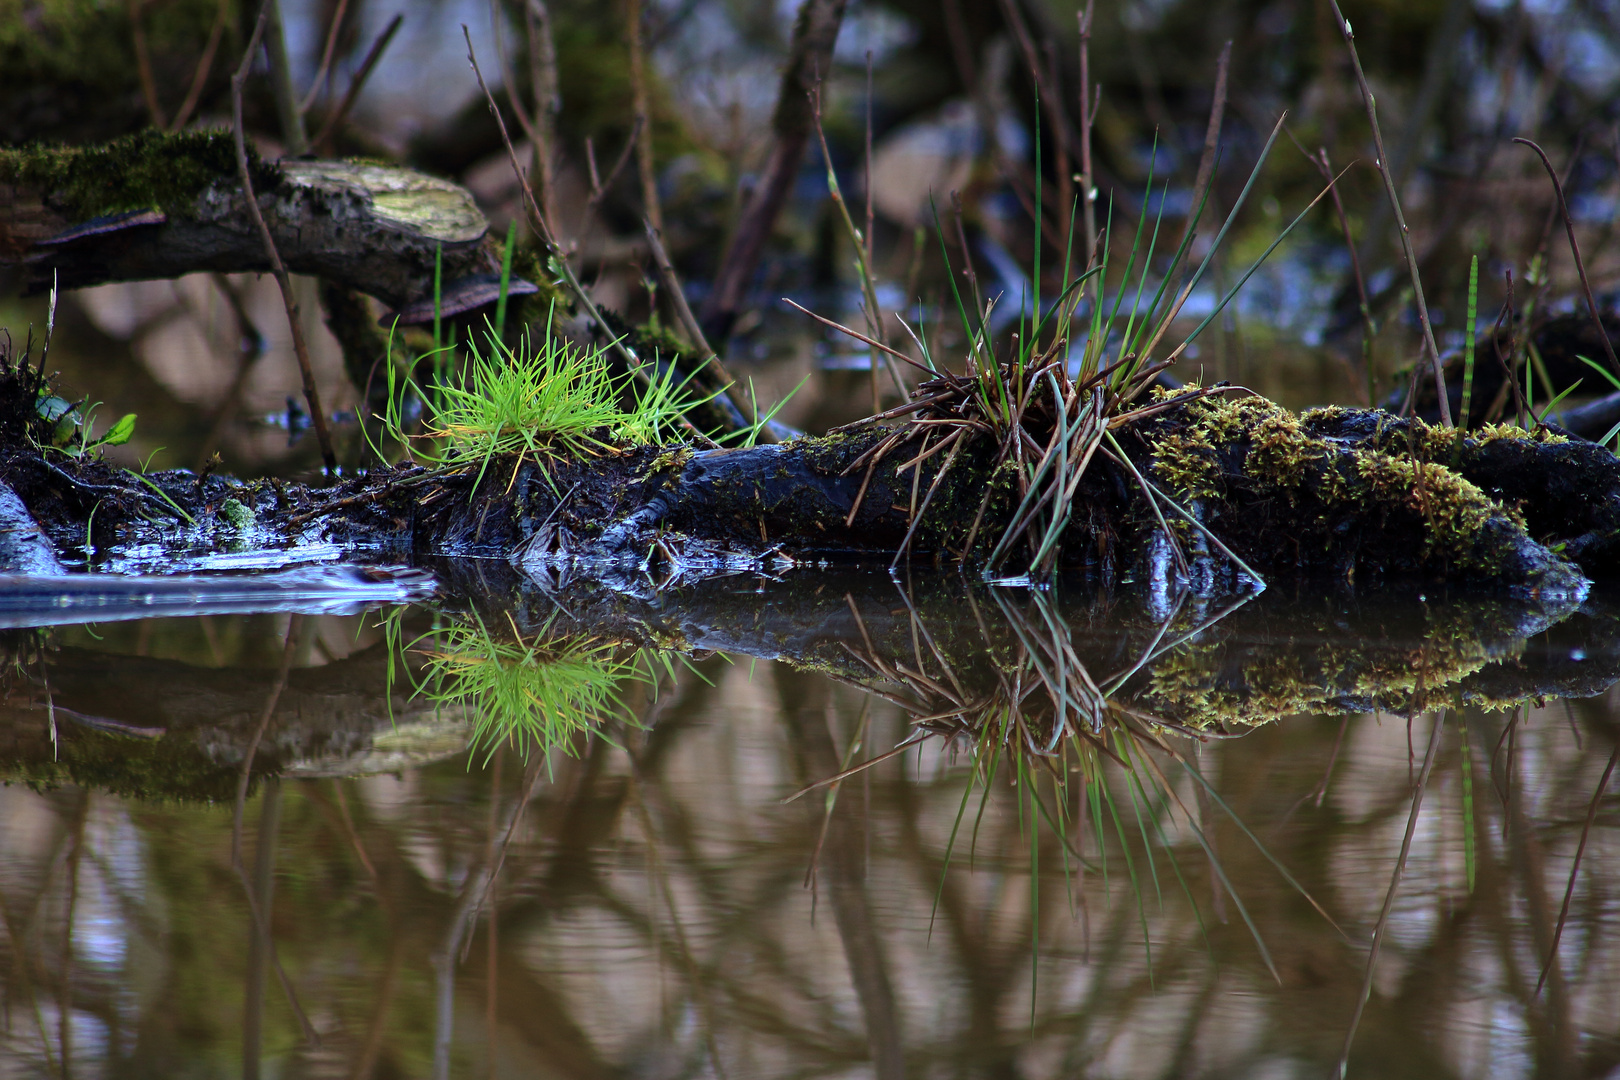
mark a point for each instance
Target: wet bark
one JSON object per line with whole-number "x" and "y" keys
{"x": 153, "y": 727}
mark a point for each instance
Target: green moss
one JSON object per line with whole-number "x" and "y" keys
{"x": 239, "y": 516}
{"x": 150, "y": 169}
{"x": 1281, "y": 458}
{"x": 1184, "y": 461}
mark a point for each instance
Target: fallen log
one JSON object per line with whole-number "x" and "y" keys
{"x": 1352, "y": 496}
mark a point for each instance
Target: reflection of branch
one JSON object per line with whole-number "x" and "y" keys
{"x": 1575, "y": 868}
{"x": 1394, "y": 884}
{"x": 64, "y": 1017}
{"x": 261, "y": 924}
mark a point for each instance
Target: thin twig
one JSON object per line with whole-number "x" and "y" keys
{"x": 547, "y": 98}
{"x": 277, "y": 267}
{"x": 143, "y": 65}
{"x": 645, "y": 165}
{"x": 683, "y": 313}
{"x": 1575, "y": 250}
{"x": 205, "y": 65}
{"x": 293, "y": 134}
{"x": 1325, "y": 166}
{"x": 358, "y": 83}
{"x": 600, "y": 187}
{"x": 1400, "y": 218}
{"x": 542, "y": 229}
{"x": 323, "y": 72}
{"x": 1212, "y": 140}
{"x": 1088, "y": 119}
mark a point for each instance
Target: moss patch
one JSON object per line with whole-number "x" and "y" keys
{"x": 1215, "y": 441}
{"x": 141, "y": 171}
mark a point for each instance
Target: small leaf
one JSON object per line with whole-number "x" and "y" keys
{"x": 121, "y": 431}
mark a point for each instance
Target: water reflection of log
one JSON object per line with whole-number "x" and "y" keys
{"x": 1190, "y": 662}
{"x": 149, "y": 727}
{"x": 592, "y": 980}
{"x": 945, "y": 651}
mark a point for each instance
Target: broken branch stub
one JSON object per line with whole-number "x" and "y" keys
{"x": 158, "y": 206}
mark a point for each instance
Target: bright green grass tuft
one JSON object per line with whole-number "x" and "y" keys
{"x": 543, "y": 400}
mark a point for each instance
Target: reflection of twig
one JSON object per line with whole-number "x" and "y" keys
{"x": 700, "y": 991}
{"x": 24, "y": 965}
{"x": 300, "y": 346}
{"x": 1575, "y": 867}
{"x": 64, "y": 1017}
{"x": 1394, "y": 884}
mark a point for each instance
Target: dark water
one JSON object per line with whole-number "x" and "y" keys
{"x": 1189, "y": 883}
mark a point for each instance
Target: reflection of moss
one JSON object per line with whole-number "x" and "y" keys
{"x": 1195, "y": 684}
{"x": 141, "y": 171}
{"x": 151, "y": 769}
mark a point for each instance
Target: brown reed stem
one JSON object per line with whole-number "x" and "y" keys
{"x": 645, "y": 165}
{"x": 205, "y": 65}
{"x": 143, "y": 65}
{"x": 1088, "y": 119}
{"x": 1400, "y": 219}
{"x": 327, "y": 52}
{"x": 543, "y": 85}
{"x": 277, "y": 267}
{"x": 358, "y": 83}
{"x": 1575, "y": 250}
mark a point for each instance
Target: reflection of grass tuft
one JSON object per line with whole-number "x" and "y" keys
{"x": 528, "y": 695}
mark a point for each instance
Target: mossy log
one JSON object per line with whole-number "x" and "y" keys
{"x": 1351, "y": 496}
{"x": 155, "y": 205}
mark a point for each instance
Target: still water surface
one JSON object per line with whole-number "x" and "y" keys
{"x": 259, "y": 848}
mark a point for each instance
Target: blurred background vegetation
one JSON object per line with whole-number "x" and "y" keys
{"x": 952, "y": 113}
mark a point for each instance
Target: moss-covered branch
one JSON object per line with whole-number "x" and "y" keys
{"x": 154, "y": 205}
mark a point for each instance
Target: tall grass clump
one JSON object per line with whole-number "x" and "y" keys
{"x": 1073, "y": 375}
